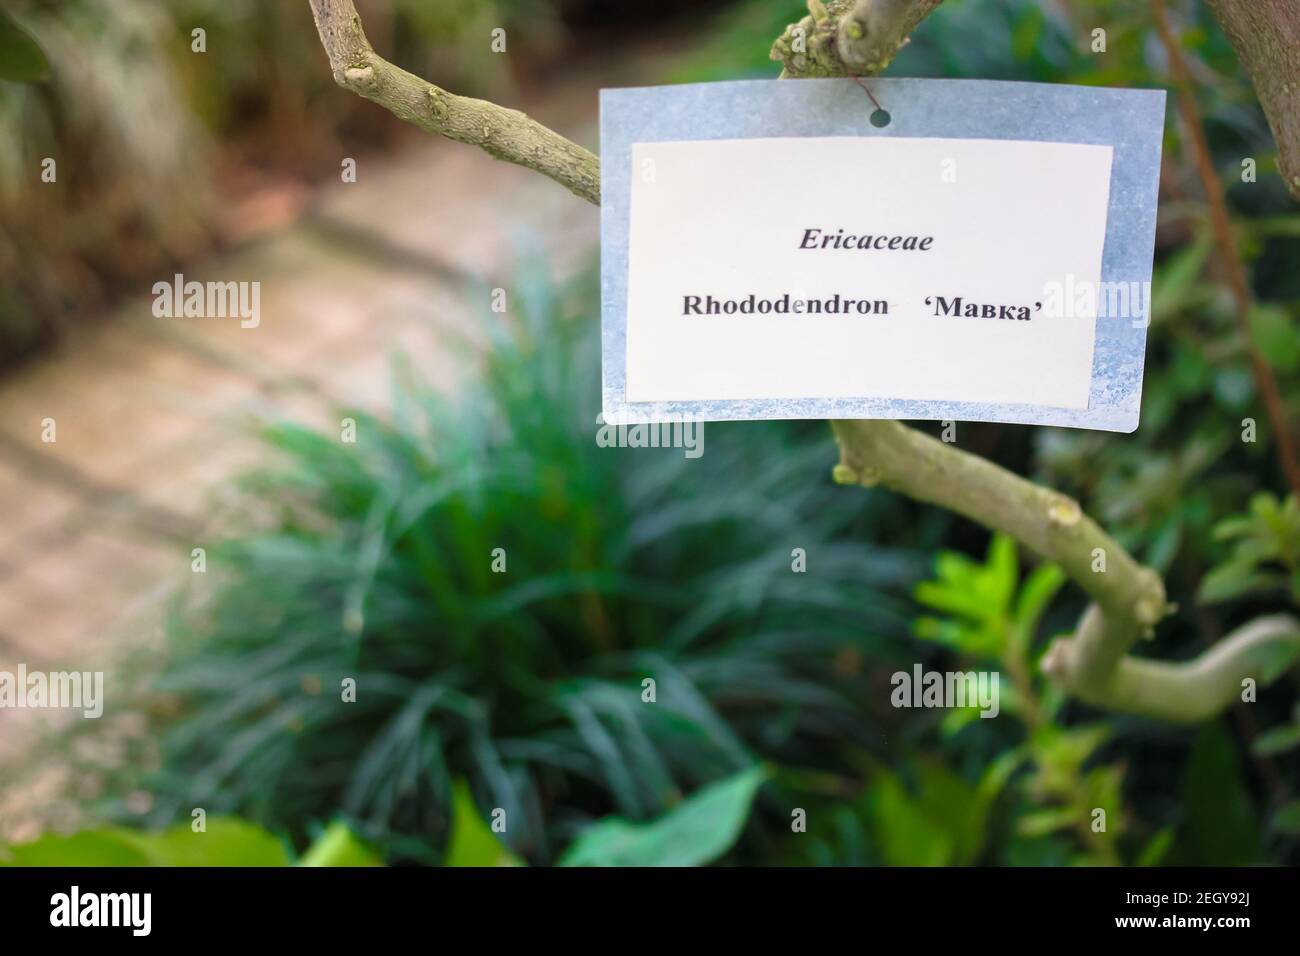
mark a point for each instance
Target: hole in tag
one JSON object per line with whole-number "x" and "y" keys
{"x": 880, "y": 119}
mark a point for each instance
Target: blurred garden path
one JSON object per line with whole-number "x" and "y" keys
{"x": 151, "y": 414}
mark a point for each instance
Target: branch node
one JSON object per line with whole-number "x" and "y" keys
{"x": 1064, "y": 512}
{"x": 437, "y": 103}
{"x": 1151, "y": 606}
{"x": 1055, "y": 660}
{"x": 359, "y": 77}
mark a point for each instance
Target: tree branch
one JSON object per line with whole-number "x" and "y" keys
{"x": 1130, "y": 598}
{"x": 848, "y": 37}
{"x": 1197, "y": 690}
{"x": 503, "y": 133}
{"x": 1266, "y": 36}
{"x": 877, "y": 452}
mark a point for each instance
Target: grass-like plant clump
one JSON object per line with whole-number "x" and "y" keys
{"x": 621, "y": 565}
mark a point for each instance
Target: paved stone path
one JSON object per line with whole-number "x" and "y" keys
{"x": 151, "y": 414}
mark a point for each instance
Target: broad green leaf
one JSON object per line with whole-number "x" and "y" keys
{"x": 225, "y": 842}
{"x": 472, "y": 841}
{"x": 91, "y": 848}
{"x": 21, "y": 58}
{"x": 339, "y": 846}
{"x": 699, "y": 830}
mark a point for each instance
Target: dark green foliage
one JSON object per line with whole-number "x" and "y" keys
{"x": 21, "y": 58}
{"x": 1221, "y": 819}
{"x": 1266, "y": 552}
{"x": 621, "y": 565}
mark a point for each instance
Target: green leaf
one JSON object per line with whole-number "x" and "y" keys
{"x": 472, "y": 841}
{"x": 1176, "y": 279}
{"x": 1062, "y": 752}
{"x": 21, "y": 58}
{"x": 959, "y": 599}
{"x": 1157, "y": 848}
{"x": 905, "y": 833}
{"x": 700, "y": 829}
{"x": 1288, "y": 226}
{"x": 1043, "y": 822}
{"x": 980, "y": 600}
{"x": 1287, "y": 818}
{"x": 91, "y": 848}
{"x": 1230, "y": 581}
{"x": 962, "y": 808}
{"x": 339, "y": 846}
{"x": 1275, "y": 335}
{"x": 1277, "y": 740}
{"x": 1035, "y": 594}
{"x": 1027, "y": 34}
{"x": 975, "y": 641}
{"x": 958, "y": 719}
{"x": 1003, "y": 570}
{"x": 1221, "y": 828}
{"x": 225, "y": 842}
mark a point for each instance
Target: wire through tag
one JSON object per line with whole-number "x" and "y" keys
{"x": 880, "y": 117}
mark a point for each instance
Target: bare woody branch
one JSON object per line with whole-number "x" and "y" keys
{"x": 1129, "y": 598}
{"x": 1094, "y": 664}
{"x": 1266, "y": 36}
{"x": 848, "y": 37}
{"x": 1262, "y": 650}
{"x": 503, "y": 133}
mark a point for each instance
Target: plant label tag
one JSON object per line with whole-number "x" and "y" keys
{"x": 769, "y": 252}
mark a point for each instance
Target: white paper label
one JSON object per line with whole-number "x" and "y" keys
{"x": 843, "y": 267}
